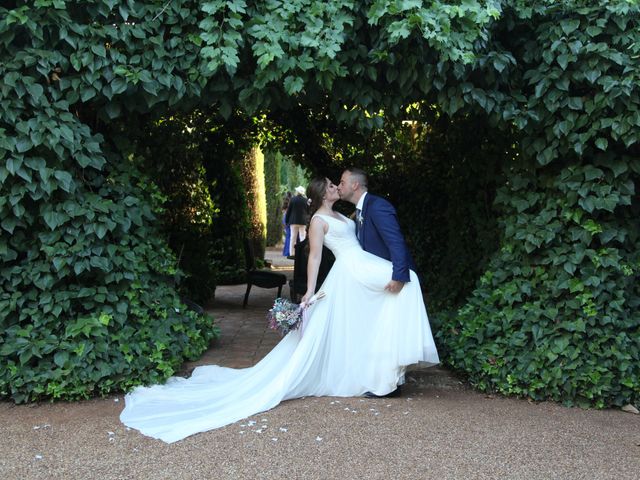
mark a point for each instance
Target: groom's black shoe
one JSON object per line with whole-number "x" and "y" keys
{"x": 396, "y": 393}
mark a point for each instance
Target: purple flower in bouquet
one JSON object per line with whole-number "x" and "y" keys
{"x": 286, "y": 316}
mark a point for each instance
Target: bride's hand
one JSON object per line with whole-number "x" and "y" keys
{"x": 306, "y": 298}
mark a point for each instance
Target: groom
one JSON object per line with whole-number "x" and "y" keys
{"x": 377, "y": 226}
{"x": 378, "y": 231}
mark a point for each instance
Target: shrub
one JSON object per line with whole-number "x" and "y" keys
{"x": 85, "y": 306}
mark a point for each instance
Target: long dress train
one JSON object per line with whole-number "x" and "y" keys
{"x": 358, "y": 338}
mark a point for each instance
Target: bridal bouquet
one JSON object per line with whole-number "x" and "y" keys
{"x": 286, "y": 316}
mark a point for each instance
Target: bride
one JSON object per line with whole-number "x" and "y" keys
{"x": 359, "y": 338}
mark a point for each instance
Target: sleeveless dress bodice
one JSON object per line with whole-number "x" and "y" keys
{"x": 341, "y": 236}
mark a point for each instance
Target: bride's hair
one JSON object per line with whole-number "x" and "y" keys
{"x": 315, "y": 193}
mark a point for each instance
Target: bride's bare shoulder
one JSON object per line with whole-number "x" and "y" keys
{"x": 317, "y": 222}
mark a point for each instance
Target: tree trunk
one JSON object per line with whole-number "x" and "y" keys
{"x": 253, "y": 176}
{"x": 272, "y": 163}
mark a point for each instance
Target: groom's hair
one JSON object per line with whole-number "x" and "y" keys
{"x": 359, "y": 176}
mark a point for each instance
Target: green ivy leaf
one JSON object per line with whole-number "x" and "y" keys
{"x": 14, "y": 164}
{"x": 59, "y": 262}
{"x": 569, "y": 26}
{"x": 618, "y": 167}
{"x": 65, "y": 180}
{"x": 51, "y": 219}
{"x": 9, "y": 224}
{"x": 602, "y": 143}
{"x": 575, "y": 103}
{"x": 592, "y": 75}
{"x": 101, "y": 230}
{"x": 66, "y": 133}
{"x": 36, "y": 91}
{"x": 563, "y": 61}
{"x": 592, "y": 173}
{"x": 87, "y": 94}
{"x": 293, "y": 84}
{"x": 61, "y": 358}
{"x": 99, "y": 50}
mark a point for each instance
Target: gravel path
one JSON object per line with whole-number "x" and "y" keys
{"x": 438, "y": 432}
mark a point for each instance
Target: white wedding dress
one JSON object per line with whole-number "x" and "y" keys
{"x": 357, "y": 338}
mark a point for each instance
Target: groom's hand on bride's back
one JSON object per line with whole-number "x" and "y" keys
{"x": 394, "y": 286}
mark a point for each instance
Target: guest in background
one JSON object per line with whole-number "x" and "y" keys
{"x": 297, "y": 218}
{"x": 287, "y": 229}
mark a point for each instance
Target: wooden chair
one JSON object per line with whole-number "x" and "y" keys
{"x": 260, "y": 278}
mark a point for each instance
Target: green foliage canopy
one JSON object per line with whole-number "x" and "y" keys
{"x": 562, "y": 73}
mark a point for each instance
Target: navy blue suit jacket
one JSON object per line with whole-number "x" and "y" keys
{"x": 380, "y": 234}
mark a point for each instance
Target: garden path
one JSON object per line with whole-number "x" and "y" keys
{"x": 438, "y": 429}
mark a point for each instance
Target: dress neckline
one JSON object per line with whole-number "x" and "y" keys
{"x": 331, "y": 216}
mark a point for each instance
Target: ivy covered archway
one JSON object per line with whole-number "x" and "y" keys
{"x": 85, "y": 305}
